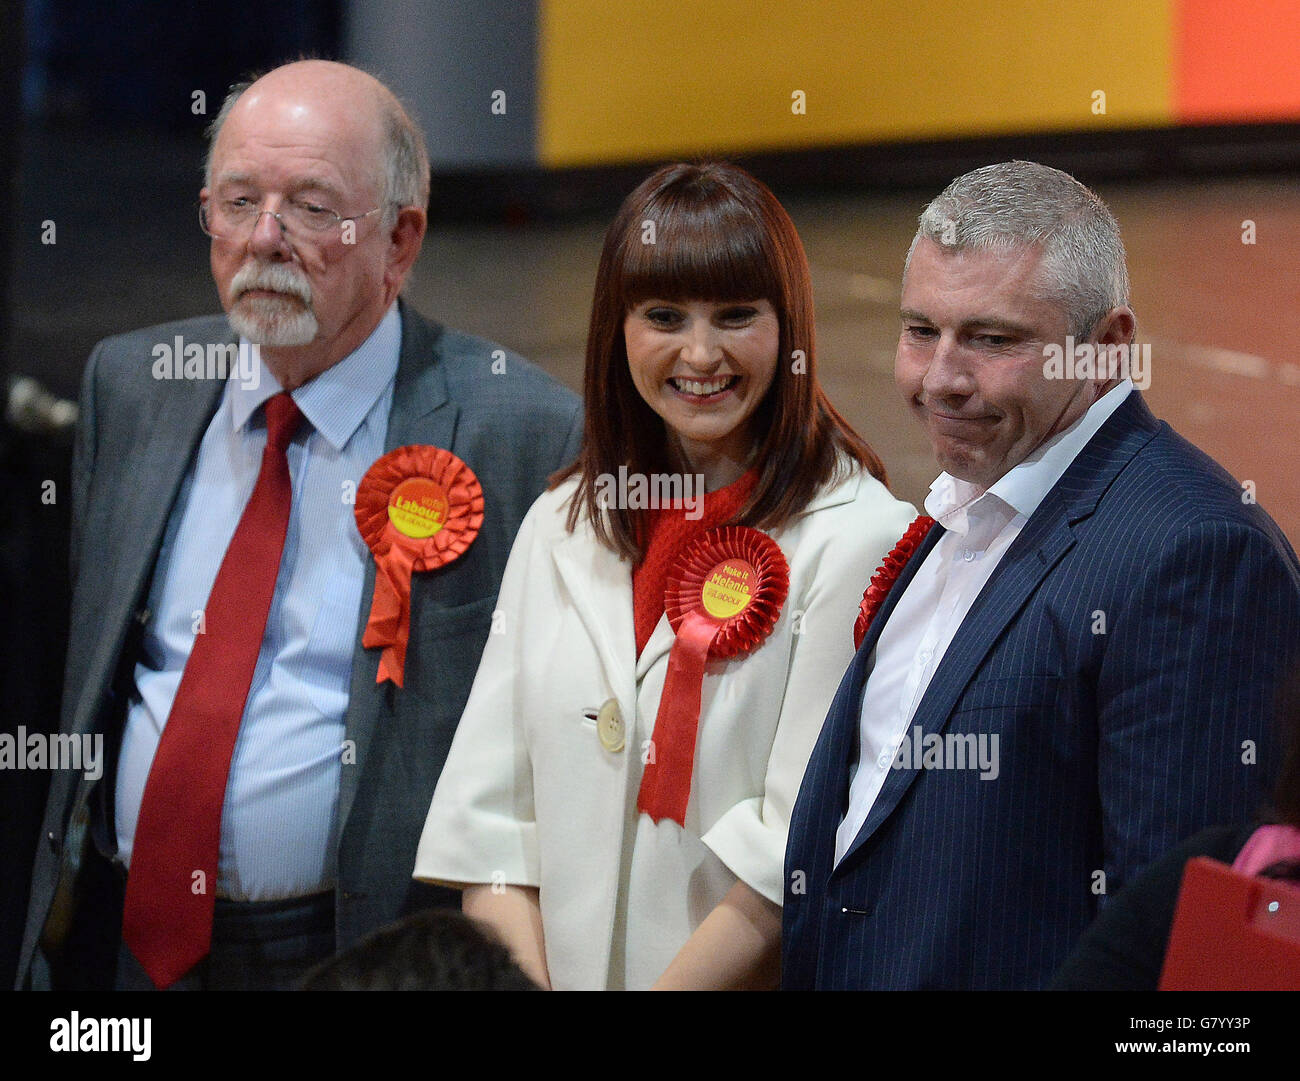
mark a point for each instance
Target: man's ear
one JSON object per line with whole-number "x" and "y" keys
{"x": 405, "y": 237}
{"x": 1116, "y": 327}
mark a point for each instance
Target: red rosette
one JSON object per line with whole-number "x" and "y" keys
{"x": 887, "y": 574}
{"x": 418, "y": 508}
{"x": 751, "y": 551}
{"x": 723, "y": 597}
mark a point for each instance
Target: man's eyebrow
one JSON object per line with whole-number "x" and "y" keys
{"x": 996, "y": 323}
{"x": 985, "y": 322}
{"x": 306, "y": 183}
{"x": 316, "y": 183}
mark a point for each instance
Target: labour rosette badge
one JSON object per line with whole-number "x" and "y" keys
{"x": 887, "y": 574}
{"x": 418, "y": 509}
{"x": 724, "y": 595}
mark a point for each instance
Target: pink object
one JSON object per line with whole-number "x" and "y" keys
{"x": 1268, "y": 845}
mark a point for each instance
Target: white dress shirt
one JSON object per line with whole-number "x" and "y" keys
{"x": 979, "y": 528}
{"x": 278, "y": 829}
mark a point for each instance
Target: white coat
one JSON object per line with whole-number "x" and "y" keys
{"x": 534, "y": 794}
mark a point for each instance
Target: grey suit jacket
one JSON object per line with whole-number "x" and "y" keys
{"x": 137, "y": 440}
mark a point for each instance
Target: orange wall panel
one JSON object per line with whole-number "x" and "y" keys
{"x": 1236, "y": 61}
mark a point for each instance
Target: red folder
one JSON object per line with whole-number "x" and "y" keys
{"x": 1233, "y": 932}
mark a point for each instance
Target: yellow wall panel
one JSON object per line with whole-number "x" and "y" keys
{"x": 642, "y": 80}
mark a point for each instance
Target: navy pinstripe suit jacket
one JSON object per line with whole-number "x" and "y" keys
{"x": 1112, "y": 746}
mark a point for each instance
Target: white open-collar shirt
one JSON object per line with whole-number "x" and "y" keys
{"x": 979, "y": 528}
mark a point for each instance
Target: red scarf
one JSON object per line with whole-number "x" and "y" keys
{"x": 668, "y": 532}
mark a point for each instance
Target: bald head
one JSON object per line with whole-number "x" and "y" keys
{"x": 372, "y": 126}
{"x": 317, "y": 184}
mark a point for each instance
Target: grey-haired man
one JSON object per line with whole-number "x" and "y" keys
{"x": 315, "y": 202}
{"x": 1074, "y": 669}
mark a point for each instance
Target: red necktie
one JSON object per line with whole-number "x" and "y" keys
{"x": 170, "y": 891}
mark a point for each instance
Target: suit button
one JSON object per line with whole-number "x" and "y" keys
{"x": 54, "y": 841}
{"x": 609, "y": 726}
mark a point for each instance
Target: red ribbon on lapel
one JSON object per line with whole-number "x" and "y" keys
{"x": 723, "y": 597}
{"x": 887, "y": 574}
{"x": 418, "y": 508}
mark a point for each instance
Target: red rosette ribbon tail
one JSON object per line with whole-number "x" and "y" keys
{"x": 389, "y": 624}
{"x": 887, "y": 574}
{"x": 723, "y": 597}
{"x": 418, "y": 508}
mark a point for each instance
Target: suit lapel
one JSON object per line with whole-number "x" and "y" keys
{"x": 845, "y": 735}
{"x": 1045, "y": 539}
{"x": 1042, "y": 542}
{"x": 660, "y": 642}
{"x": 147, "y": 495}
{"x": 422, "y": 412}
{"x": 601, "y": 586}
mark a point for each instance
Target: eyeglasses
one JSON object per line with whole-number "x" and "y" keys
{"x": 235, "y": 219}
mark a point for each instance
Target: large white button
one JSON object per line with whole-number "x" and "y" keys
{"x": 609, "y": 726}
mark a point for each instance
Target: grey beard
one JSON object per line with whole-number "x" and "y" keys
{"x": 272, "y": 322}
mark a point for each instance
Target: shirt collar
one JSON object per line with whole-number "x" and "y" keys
{"x": 340, "y": 398}
{"x": 1023, "y": 487}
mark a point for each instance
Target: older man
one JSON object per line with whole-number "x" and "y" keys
{"x": 268, "y": 777}
{"x": 1069, "y": 671}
